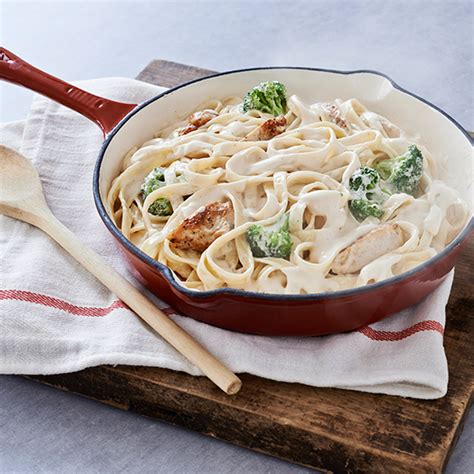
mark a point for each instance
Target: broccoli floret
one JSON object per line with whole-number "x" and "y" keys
{"x": 368, "y": 196}
{"x": 153, "y": 181}
{"x": 364, "y": 183}
{"x": 362, "y": 208}
{"x": 271, "y": 241}
{"x": 268, "y": 97}
{"x": 161, "y": 207}
{"x": 403, "y": 172}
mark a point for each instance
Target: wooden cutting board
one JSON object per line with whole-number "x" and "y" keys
{"x": 327, "y": 429}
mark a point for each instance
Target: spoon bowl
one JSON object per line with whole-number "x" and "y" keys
{"x": 21, "y": 193}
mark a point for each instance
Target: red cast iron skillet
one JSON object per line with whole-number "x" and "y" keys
{"x": 127, "y": 125}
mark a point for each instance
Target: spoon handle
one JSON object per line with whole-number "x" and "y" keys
{"x": 144, "y": 308}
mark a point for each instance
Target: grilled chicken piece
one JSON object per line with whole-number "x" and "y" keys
{"x": 201, "y": 229}
{"x": 367, "y": 248}
{"x": 198, "y": 119}
{"x": 335, "y": 115}
{"x": 267, "y": 130}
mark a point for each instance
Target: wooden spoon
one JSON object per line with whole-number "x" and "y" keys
{"x": 22, "y": 197}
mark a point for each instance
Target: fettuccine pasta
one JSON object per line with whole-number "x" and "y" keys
{"x": 268, "y": 202}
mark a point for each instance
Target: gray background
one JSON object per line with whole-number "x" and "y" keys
{"x": 426, "y": 47}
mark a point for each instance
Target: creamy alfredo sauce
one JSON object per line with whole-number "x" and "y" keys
{"x": 303, "y": 172}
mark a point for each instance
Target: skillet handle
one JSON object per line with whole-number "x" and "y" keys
{"x": 104, "y": 112}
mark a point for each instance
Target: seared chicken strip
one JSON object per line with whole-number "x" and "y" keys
{"x": 198, "y": 119}
{"x": 201, "y": 229}
{"x": 267, "y": 130}
{"x": 367, "y": 248}
{"x": 335, "y": 116}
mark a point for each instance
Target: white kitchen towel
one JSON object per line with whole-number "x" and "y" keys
{"x": 55, "y": 317}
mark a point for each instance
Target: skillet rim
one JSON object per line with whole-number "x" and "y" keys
{"x": 233, "y": 292}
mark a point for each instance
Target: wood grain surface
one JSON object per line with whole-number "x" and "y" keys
{"x": 326, "y": 429}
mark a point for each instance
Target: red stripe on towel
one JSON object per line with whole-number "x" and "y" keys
{"x": 37, "y": 298}
{"x": 375, "y": 335}
{"x": 44, "y": 300}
